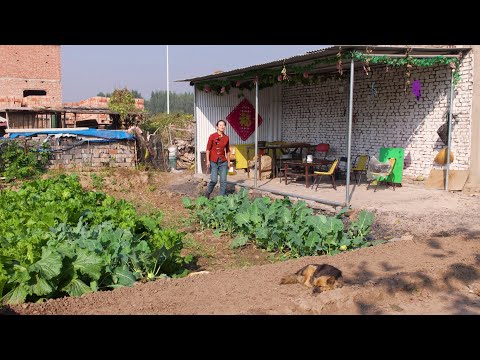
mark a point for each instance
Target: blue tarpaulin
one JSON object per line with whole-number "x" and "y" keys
{"x": 104, "y": 134}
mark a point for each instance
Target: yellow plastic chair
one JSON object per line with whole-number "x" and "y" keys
{"x": 331, "y": 172}
{"x": 383, "y": 177}
{"x": 361, "y": 165}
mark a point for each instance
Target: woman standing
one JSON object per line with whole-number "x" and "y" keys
{"x": 218, "y": 158}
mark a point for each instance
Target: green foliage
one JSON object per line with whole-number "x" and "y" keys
{"x": 21, "y": 162}
{"x": 152, "y": 188}
{"x": 97, "y": 181}
{"x": 57, "y": 239}
{"x": 123, "y": 102}
{"x": 280, "y": 225}
{"x": 454, "y": 63}
{"x": 179, "y": 103}
{"x": 135, "y": 94}
{"x": 300, "y": 74}
{"x": 171, "y": 242}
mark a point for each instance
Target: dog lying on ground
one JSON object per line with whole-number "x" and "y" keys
{"x": 320, "y": 277}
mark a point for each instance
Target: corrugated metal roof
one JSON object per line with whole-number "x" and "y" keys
{"x": 329, "y": 51}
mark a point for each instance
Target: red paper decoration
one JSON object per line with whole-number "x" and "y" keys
{"x": 242, "y": 119}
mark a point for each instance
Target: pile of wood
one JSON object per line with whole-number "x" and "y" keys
{"x": 184, "y": 139}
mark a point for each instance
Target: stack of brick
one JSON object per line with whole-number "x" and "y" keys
{"x": 98, "y": 102}
{"x": 37, "y": 101}
{"x": 101, "y": 103}
{"x": 10, "y": 101}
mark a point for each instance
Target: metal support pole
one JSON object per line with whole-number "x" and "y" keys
{"x": 168, "y": 88}
{"x": 450, "y": 109}
{"x": 195, "y": 128}
{"x": 273, "y": 191}
{"x": 349, "y": 137}
{"x": 256, "y": 133}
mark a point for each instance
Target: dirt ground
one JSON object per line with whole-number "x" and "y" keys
{"x": 428, "y": 264}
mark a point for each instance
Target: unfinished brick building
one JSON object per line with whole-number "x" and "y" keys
{"x": 31, "y": 92}
{"x": 31, "y": 103}
{"x": 30, "y": 75}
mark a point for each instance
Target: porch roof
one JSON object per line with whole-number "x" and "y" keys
{"x": 311, "y": 56}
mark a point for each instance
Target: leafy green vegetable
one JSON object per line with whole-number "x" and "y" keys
{"x": 57, "y": 239}
{"x": 279, "y": 225}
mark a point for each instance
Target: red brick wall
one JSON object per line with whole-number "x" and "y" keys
{"x": 31, "y": 67}
{"x": 101, "y": 102}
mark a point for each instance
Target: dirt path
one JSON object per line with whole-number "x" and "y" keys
{"x": 429, "y": 266}
{"x": 403, "y": 277}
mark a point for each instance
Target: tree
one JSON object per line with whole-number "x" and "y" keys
{"x": 181, "y": 103}
{"x": 135, "y": 94}
{"x": 123, "y": 102}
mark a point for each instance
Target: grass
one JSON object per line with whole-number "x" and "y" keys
{"x": 243, "y": 262}
{"x": 274, "y": 258}
{"x": 196, "y": 248}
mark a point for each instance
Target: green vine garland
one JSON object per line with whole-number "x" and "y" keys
{"x": 301, "y": 74}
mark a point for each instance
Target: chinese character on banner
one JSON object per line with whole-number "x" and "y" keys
{"x": 242, "y": 119}
{"x": 416, "y": 89}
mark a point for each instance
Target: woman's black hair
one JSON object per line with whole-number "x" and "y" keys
{"x": 218, "y": 122}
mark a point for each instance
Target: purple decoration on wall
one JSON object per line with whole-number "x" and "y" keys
{"x": 416, "y": 89}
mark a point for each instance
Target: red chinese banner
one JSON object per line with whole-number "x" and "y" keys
{"x": 242, "y": 119}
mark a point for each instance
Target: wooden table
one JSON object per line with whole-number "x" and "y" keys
{"x": 307, "y": 167}
{"x": 274, "y": 148}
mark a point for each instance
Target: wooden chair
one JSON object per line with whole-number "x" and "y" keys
{"x": 361, "y": 165}
{"x": 342, "y": 168}
{"x": 280, "y": 168}
{"x": 382, "y": 177}
{"x": 331, "y": 172}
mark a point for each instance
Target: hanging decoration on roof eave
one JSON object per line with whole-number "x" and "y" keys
{"x": 297, "y": 74}
{"x": 454, "y": 63}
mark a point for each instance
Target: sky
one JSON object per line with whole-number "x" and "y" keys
{"x": 90, "y": 69}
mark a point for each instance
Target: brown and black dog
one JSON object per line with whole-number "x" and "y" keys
{"x": 320, "y": 277}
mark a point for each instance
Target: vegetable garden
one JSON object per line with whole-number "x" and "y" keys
{"x": 58, "y": 239}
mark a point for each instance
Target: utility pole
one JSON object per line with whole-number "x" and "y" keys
{"x": 168, "y": 88}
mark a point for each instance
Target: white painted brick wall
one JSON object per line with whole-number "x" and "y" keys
{"x": 319, "y": 113}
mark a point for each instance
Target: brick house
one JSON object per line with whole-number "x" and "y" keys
{"x": 30, "y": 75}
{"x": 385, "y": 112}
{"x": 31, "y": 99}
{"x": 31, "y": 92}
